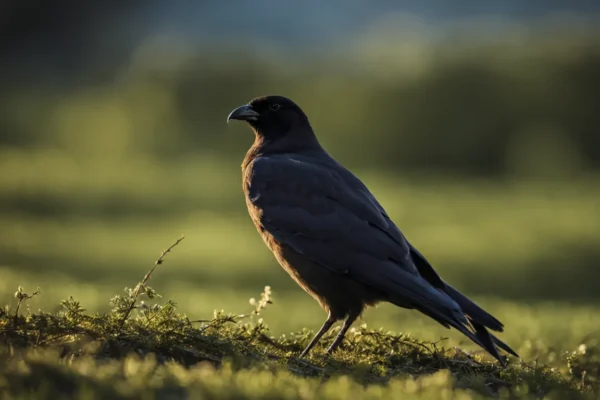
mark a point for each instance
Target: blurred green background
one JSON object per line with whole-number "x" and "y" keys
{"x": 478, "y": 132}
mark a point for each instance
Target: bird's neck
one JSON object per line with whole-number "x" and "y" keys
{"x": 295, "y": 141}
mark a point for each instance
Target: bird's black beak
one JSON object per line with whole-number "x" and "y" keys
{"x": 243, "y": 113}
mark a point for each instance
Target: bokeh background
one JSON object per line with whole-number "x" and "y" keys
{"x": 476, "y": 124}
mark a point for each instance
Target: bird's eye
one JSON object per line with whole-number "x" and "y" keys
{"x": 275, "y": 107}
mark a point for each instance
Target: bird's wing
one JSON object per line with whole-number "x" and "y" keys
{"x": 336, "y": 223}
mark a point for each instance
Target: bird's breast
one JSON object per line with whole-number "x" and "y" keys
{"x": 251, "y": 195}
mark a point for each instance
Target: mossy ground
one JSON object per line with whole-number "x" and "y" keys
{"x": 141, "y": 350}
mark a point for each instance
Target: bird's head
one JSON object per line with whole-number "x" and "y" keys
{"x": 271, "y": 116}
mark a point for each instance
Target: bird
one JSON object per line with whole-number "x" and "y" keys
{"x": 332, "y": 236}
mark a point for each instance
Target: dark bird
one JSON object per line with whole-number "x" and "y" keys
{"x": 333, "y": 237}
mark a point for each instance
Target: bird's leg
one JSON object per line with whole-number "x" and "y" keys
{"x": 321, "y": 332}
{"x": 340, "y": 336}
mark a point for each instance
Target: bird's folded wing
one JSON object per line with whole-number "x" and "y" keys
{"x": 335, "y": 223}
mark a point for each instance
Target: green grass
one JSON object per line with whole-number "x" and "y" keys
{"x": 526, "y": 251}
{"x": 146, "y": 349}
{"x": 94, "y": 222}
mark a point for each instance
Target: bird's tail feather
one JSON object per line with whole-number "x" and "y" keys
{"x": 475, "y": 331}
{"x": 483, "y": 338}
{"x": 481, "y": 319}
{"x": 503, "y": 346}
{"x": 475, "y": 312}
{"x": 451, "y": 309}
{"x": 487, "y": 342}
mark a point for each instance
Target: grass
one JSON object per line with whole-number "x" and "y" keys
{"x": 95, "y": 222}
{"x": 526, "y": 251}
{"x": 144, "y": 348}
